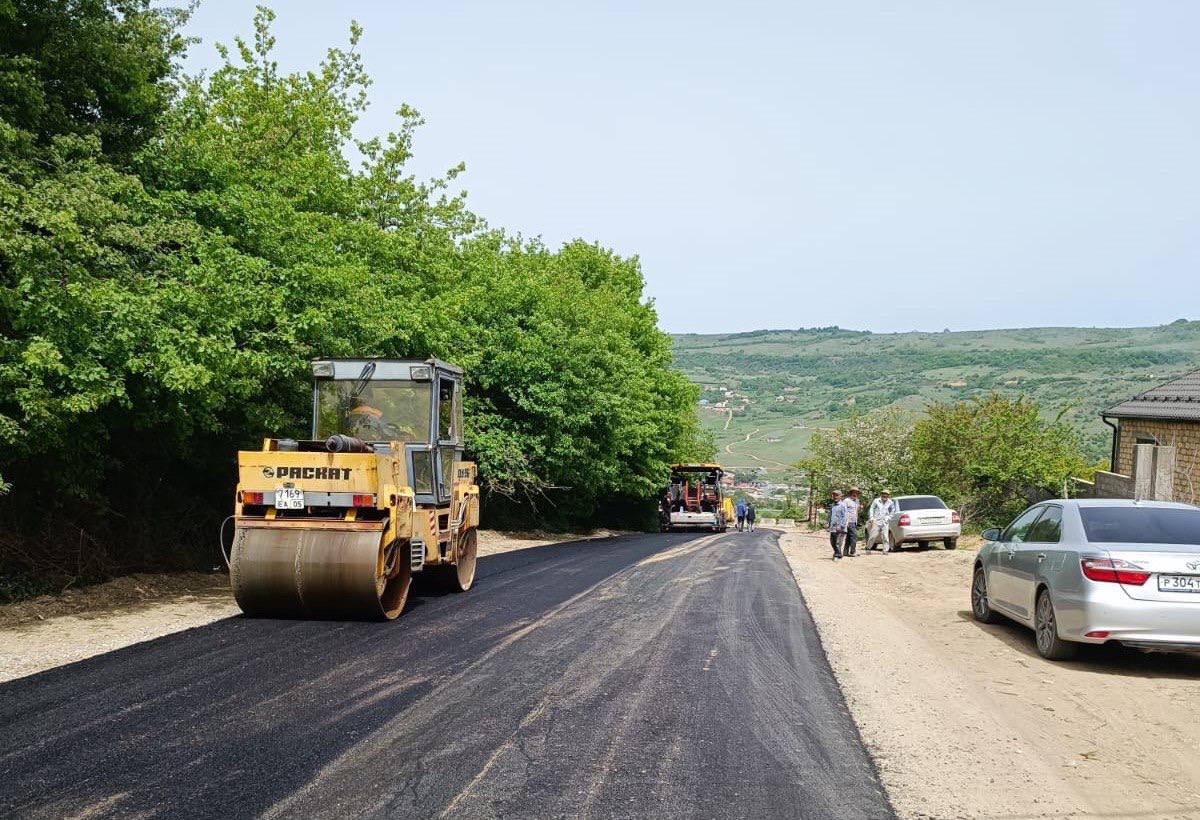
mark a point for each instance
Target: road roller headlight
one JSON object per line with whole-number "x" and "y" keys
{"x": 322, "y": 370}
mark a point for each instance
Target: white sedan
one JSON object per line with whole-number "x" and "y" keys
{"x": 924, "y": 518}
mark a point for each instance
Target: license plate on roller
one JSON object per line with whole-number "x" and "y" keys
{"x": 1179, "y": 583}
{"x": 289, "y": 498}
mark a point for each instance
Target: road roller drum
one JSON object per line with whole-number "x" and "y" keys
{"x": 320, "y": 573}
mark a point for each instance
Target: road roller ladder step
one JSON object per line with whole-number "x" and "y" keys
{"x": 416, "y": 558}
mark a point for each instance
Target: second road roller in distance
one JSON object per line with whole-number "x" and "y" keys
{"x": 335, "y": 526}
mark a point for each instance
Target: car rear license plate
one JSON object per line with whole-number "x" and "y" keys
{"x": 289, "y": 498}
{"x": 1179, "y": 583}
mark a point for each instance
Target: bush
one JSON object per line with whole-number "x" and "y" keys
{"x": 992, "y": 457}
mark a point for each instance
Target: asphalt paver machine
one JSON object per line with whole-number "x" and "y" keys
{"x": 695, "y": 499}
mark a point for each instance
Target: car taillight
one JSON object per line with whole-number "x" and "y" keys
{"x": 364, "y": 501}
{"x": 955, "y": 518}
{"x": 253, "y": 499}
{"x": 1114, "y": 571}
{"x": 905, "y": 520}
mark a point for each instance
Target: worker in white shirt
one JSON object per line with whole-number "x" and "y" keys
{"x": 878, "y": 516}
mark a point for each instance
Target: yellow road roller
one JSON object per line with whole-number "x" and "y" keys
{"x": 335, "y": 526}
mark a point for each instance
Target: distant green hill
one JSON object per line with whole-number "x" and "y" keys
{"x": 784, "y": 383}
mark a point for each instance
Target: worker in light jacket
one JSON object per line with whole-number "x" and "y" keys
{"x": 882, "y": 509}
{"x": 837, "y": 524}
{"x": 852, "y": 507}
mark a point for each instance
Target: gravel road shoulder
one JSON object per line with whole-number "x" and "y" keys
{"x": 966, "y": 720}
{"x": 53, "y": 630}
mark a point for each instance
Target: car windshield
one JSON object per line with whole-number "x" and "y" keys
{"x": 921, "y": 502}
{"x": 381, "y": 411}
{"x": 1141, "y": 525}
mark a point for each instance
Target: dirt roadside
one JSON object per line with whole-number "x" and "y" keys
{"x": 53, "y": 630}
{"x": 966, "y": 720}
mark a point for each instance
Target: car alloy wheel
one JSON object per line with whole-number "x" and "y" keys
{"x": 980, "y": 607}
{"x": 1049, "y": 644}
{"x": 1047, "y": 629}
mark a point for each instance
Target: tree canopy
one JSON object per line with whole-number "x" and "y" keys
{"x": 871, "y": 451}
{"x": 88, "y": 67}
{"x": 994, "y": 456}
{"x": 174, "y": 251}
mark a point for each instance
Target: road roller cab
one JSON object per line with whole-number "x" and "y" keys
{"x": 336, "y": 525}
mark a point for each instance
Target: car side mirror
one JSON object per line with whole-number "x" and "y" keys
{"x": 991, "y": 534}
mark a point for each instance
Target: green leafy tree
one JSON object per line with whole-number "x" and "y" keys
{"x": 794, "y": 507}
{"x": 573, "y": 399}
{"x": 871, "y": 452}
{"x": 88, "y": 67}
{"x": 159, "y": 312}
{"x": 993, "y": 456}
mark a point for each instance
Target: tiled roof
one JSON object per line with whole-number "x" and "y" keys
{"x": 1177, "y": 399}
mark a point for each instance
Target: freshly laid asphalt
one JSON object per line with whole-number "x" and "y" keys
{"x": 642, "y": 676}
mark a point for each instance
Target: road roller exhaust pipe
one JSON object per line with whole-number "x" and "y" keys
{"x": 346, "y": 444}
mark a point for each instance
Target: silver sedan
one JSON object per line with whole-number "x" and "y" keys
{"x": 1091, "y": 571}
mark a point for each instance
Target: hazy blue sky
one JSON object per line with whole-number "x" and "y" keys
{"x": 882, "y": 165}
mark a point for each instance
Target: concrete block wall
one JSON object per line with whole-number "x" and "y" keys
{"x": 1183, "y": 435}
{"x": 1111, "y": 485}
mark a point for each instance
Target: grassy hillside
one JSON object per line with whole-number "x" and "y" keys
{"x": 785, "y": 383}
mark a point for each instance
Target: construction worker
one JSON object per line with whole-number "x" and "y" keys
{"x": 837, "y": 524}
{"x": 369, "y": 424}
{"x": 366, "y": 422}
{"x": 852, "y": 506}
{"x": 741, "y": 514}
{"x": 880, "y": 513}
{"x": 750, "y": 515}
